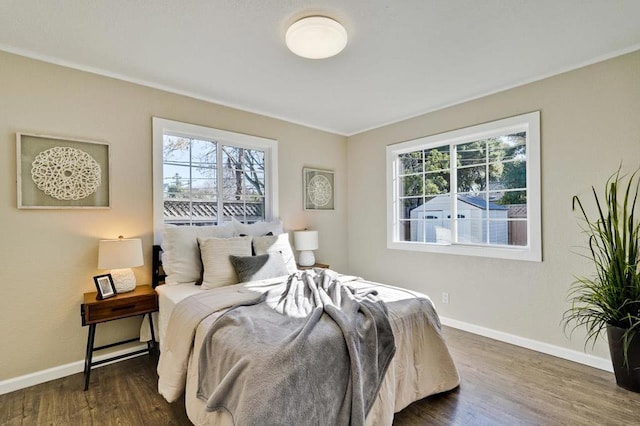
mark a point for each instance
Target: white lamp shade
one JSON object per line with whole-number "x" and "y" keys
{"x": 119, "y": 254}
{"x": 305, "y": 240}
{"x": 316, "y": 37}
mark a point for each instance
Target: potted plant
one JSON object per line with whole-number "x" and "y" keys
{"x": 610, "y": 299}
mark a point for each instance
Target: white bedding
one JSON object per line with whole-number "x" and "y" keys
{"x": 168, "y": 297}
{"x": 422, "y": 365}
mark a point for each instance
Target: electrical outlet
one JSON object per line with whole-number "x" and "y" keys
{"x": 445, "y": 297}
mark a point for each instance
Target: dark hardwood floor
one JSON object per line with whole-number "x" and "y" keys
{"x": 501, "y": 385}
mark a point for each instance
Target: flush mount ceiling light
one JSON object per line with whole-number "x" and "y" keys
{"x": 316, "y": 37}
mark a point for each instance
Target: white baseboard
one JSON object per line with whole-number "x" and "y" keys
{"x": 545, "y": 348}
{"x": 60, "y": 371}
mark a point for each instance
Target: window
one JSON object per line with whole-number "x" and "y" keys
{"x": 205, "y": 176}
{"x": 474, "y": 191}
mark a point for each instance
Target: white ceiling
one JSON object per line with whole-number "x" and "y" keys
{"x": 404, "y": 57}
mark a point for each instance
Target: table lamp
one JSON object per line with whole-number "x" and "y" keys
{"x": 120, "y": 256}
{"x": 306, "y": 242}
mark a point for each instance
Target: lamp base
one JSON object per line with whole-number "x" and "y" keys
{"x": 124, "y": 280}
{"x": 306, "y": 258}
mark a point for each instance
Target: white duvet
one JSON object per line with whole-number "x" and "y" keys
{"x": 422, "y": 365}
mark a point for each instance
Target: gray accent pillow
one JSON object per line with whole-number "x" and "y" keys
{"x": 254, "y": 268}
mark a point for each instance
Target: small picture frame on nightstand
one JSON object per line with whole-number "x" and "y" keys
{"x": 104, "y": 284}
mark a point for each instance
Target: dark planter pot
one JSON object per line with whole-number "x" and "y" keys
{"x": 627, "y": 374}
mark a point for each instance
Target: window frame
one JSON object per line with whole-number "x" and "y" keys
{"x": 530, "y": 123}
{"x": 162, "y": 126}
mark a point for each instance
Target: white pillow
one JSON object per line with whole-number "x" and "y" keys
{"x": 258, "y": 228}
{"x": 181, "y": 255}
{"x": 215, "y": 252}
{"x": 276, "y": 244}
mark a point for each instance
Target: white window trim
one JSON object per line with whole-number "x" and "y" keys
{"x": 162, "y": 126}
{"x": 533, "y": 251}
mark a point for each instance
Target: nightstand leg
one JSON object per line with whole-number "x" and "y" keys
{"x": 152, "y": 343}
{"x": 89, "y": 355}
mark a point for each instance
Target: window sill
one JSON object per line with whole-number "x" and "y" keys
{"x": 530, "y": 254}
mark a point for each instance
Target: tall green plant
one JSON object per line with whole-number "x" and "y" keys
{"x": 612, "y": 295}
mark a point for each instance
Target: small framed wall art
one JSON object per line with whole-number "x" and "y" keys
{"x": 318, "y": 189}
{"x": 61, "y": 173}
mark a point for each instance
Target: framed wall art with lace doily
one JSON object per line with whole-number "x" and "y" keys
{"x": 61, "y": 173}
{"x": 318, "y": 189}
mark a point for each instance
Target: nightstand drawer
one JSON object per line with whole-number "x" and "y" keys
{"x": 141, "y": 301}
{"x": 120, "y": 309}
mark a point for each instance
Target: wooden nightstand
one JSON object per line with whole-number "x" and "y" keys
{"x": 141, "y": 301}
{"x": 316, "y": 265}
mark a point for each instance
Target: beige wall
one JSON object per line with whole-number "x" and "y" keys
{"x": 50, "y": 256}
{"x": 589, "y": 124}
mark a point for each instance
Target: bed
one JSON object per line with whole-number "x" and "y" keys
{"x": 421, "y": 365}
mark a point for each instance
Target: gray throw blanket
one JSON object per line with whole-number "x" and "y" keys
{"x": 312, "y": 351}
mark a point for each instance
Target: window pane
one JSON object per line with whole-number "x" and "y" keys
{"x": 243, "y": 173}
{"x": 233, "y": 209}
{"x": 253, "y": 160}
{"x": 232, "y": 158}
{"x": 498, "y": 232}
{"x": 509, "y": 198}
{"x": 436, "y": 158}
{"x": 517, "y": 230}
{"x": 254, "y": 183}
{"x": 508, "y": 175}
{"x": 408, "y": 231}
{"x": 508, "y": 147}
{"x": 471, "y": 153}
{"x": 472, "y": 231}
{"x": 251, "y": 198}
{"x": 472, "y": 179}
{"x": 177, "y": 211}
{"x": 176, "y": 167}
{"x": 249, "y": 160}
{"x": 203, "y": 154}
{"x": 254, "y": 177}
{"x": 203, "y": 170}
{"x": 204, "y": 212}
{"x": 508, "y": 232}
{"x": 432, "y": 224}
{"x": 243, "y": 211}
{"x": 205, "y": 194}
{"x": 257, "y": 210}
{"x": 411, "y": 185}
{"x": 408, "y": 205}
{"x": 176, "y": 149}
{"x": 232, "y": 185}
{"x": 248, "y": 211}
{"x": 204, "y": 190}
{"x": 186, "y": 212}
{"x": 410, "y": 162}
{"x": 176, "y": 182}
{"x": 436, "y": 183}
